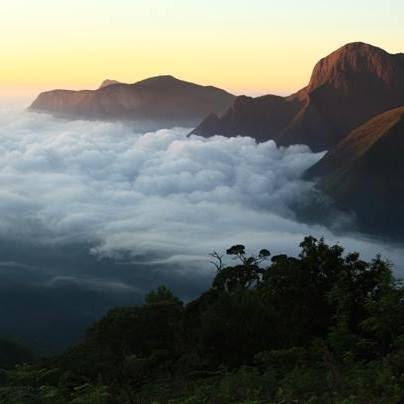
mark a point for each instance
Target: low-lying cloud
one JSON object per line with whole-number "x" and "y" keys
{"x": 94, "y": 215}
{"x": 158, "y": 197}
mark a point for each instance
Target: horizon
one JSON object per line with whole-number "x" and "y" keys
{"x": 129, "y": 42}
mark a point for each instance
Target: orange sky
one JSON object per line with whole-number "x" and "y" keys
{"x": 253, "y": 47}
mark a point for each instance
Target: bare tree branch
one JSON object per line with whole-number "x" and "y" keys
{"x": 217, "y": 260}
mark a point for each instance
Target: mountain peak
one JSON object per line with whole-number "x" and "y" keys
{"x": 356, "y": 58}
{"x": 161, "y": 79}
{"x": 108, "y": 82}
{"x": 347, "y": 87}
{"x": 358, "y": 45}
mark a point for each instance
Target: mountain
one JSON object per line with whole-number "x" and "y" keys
{"x": 162, "y": 101}
{"x": 363, "y": 173}
{"x": 109, "y": 82}
{"x": 261, "y": 118}
{"x": 346, "y": 88}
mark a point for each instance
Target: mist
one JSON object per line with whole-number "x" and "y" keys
{"x": 96, "y": 206}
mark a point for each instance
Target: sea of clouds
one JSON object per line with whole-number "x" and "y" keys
{"x": 93, "y": 215}
{"x": 158, "y": 197}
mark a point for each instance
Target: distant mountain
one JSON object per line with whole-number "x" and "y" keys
{"x": 346, "y": 88}
{"x": 364, "y": 173}
{"x": 161, "y": 101}
{"x": 108, "y": 82}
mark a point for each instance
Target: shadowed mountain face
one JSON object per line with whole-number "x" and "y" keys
{"x": 261, "y": 118}
{"x": 163, "y": 101}
{"x": 364, "y": 173}
{"x": 346, "y": 88}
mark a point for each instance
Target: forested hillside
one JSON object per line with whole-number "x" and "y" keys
{"x": 325, "y": 327}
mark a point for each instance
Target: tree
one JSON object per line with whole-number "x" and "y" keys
{"x": 13, "y": 353}
{"x": 246, "y": 275}
{"x": 162, "y": 295}
{"x": 320, "y": 327}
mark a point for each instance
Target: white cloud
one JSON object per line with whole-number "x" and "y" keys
{"x": 157, "y": 193}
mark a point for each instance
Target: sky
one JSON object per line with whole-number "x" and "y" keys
{"x": 247, "y": 47}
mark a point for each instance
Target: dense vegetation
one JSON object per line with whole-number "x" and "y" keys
{"x": 321, "y": 328}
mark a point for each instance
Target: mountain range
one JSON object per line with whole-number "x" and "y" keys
{"x": 346, "y": 88}
{"x": 353, "y": 106}
{"x": 157, "y": 102}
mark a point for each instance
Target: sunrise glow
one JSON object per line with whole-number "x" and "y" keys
{"x": 251, "y": 47}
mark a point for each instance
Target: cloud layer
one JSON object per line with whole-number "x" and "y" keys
{"x": 158, "y": 197}
{"x": 94, "y": 215}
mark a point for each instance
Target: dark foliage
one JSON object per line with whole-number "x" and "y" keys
{"x": 322, "y": 327}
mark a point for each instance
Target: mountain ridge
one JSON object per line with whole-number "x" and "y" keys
{"x": 162, "y": 101}
{"x": 363, "y": 173}
{"x": 347, "y": 87}
{"x": 109, "y": 82}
